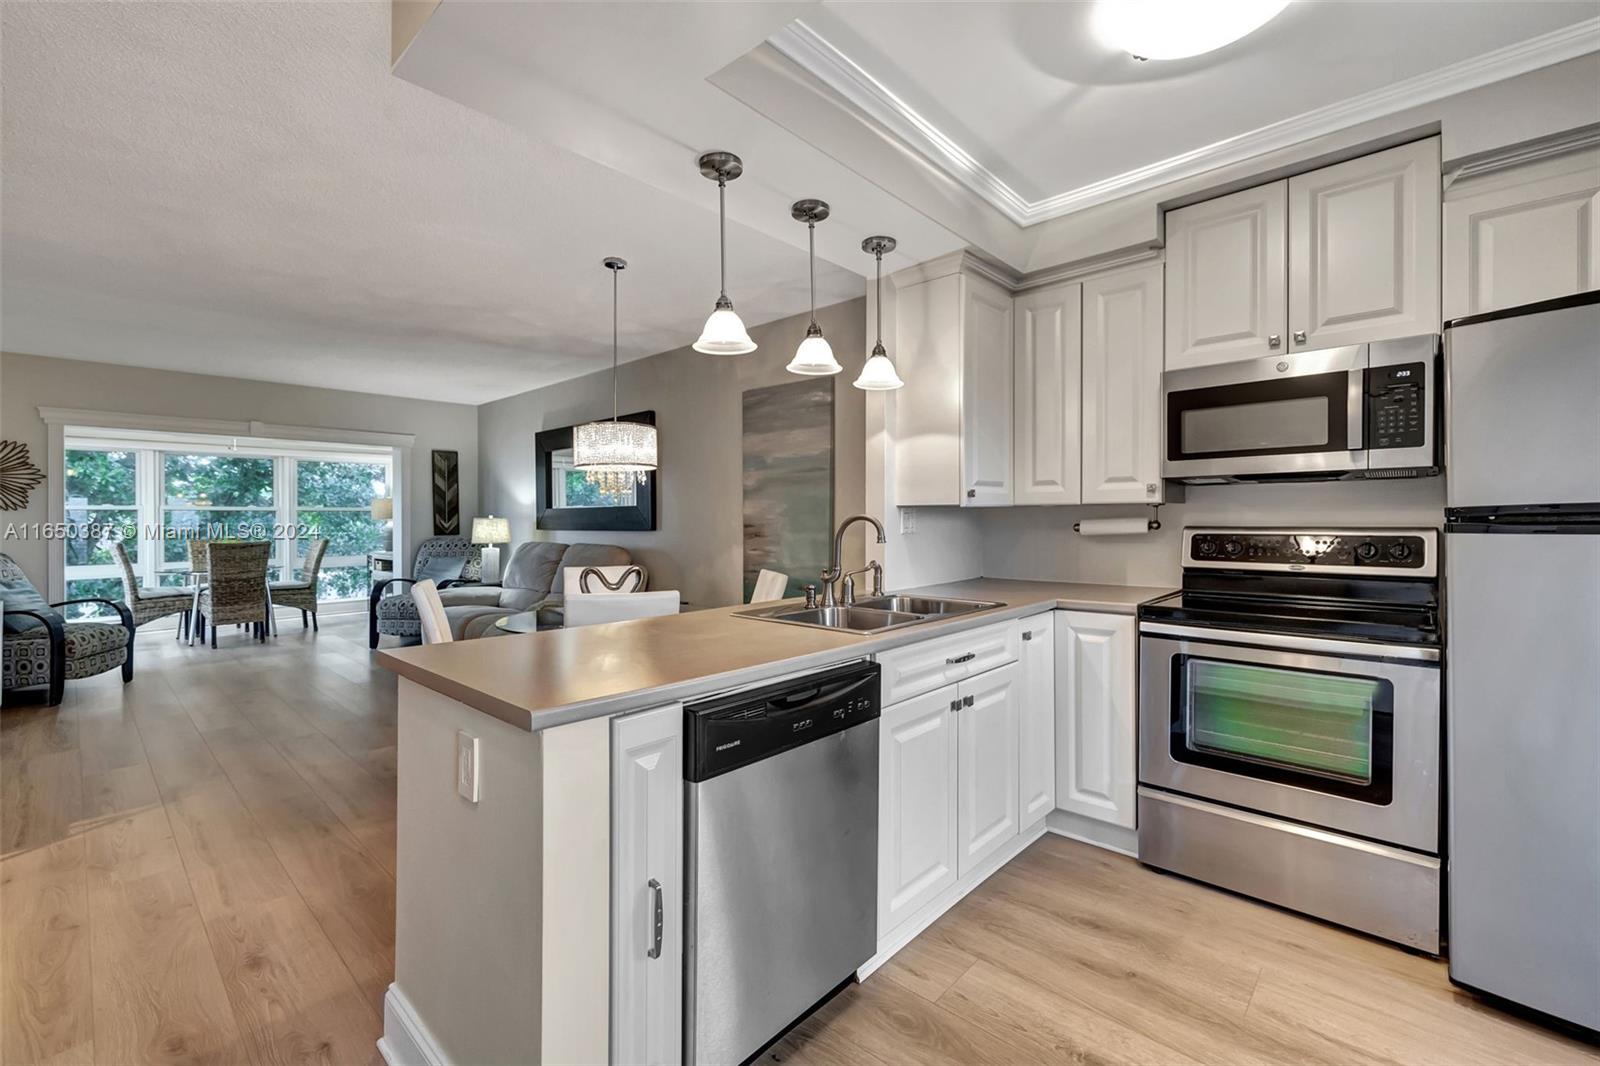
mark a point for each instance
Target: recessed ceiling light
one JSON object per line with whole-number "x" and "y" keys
{"x": 1176, "y": 29}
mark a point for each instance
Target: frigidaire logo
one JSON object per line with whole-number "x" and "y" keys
{"x": 729, "y": 744}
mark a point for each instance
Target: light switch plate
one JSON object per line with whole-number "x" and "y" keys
{"x": 467, "y": 766}
{"x": 908, "y": 519}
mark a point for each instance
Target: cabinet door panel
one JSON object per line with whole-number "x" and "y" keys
{"x": 1529, "y": 241}
{"x": 1122, "y": 346}
{"x": 1036, "y": 732}
{"x": 647, "y": 845}
{"x": 1364, "y": 248}
{"x": 1096, "y": 760}
{"x": 1048, "y": 449}
{"x": 985, "y": 394}
{"x": 986, "y": 777}
{"x": 1228, "y": 278}
{"x": 927, "y": 412}
{"x": 916, "y": 805}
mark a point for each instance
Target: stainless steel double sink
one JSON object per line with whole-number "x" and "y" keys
{"x": 873, "y": 614}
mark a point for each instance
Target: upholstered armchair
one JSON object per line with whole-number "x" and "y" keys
{"x": 302, "y": 594}
{"x": 42, "y": 650}
{"x": 447, "y": 561}
{"x": 148, "y": 605}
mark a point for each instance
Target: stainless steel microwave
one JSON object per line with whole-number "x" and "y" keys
{"x": 1360, "y": 411}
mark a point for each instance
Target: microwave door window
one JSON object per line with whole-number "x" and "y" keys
{"x": 1298, "y": 424}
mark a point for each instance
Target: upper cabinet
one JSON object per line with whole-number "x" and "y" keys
{"x": 1522, "y": 234}
{"x": 1364, "y": 249}
{"x": 1227, "y": 271}
{"x": 1048, "y": 394}
{"x": 1122, "y": 356}
{"x": 953, "y": 418}
{"x": 1342, "y": 255}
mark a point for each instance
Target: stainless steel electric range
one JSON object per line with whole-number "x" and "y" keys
{"x": 1289, "y": 724}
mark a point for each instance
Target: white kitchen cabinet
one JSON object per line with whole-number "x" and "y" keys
{"x": 1036, "y": 720}
{"x": 1047, "y": 410}
{"x": 917, "y": 851}
{"x": 1122, "y": 362}
{"x": 1364, "y": 249}
{"x": 986, "y": 770}
{"x": 952, "y": 420}
{"x": 1227, "y": 278}
{"x": 1096, "y": 716}
{"x": 932, "y": 664}
{"x": 647, "y": 902}
{"x": 1523, "y": 234}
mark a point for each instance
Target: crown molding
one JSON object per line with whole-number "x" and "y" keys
{"x": 1534, "y": 151}
{"x": 849, "y": 80}
{"x": 212, "y": 427}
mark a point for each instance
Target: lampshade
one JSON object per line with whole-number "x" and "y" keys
{"x": 614, "y": 447}
{"x": 490, "y": 530}
{"x": 878, "y": 375}
{"x": 814, "y": 357}
{"x": 383, "y": 508}
{"x": 724, "y": 334}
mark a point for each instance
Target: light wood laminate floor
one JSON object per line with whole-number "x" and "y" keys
{"x": 199, "y": 868}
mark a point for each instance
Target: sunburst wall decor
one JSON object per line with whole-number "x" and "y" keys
{"x": 18, "y": 476}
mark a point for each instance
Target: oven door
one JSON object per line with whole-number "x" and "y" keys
{"x": 1335, "y": 734}
{"x": 1280, "y": 416}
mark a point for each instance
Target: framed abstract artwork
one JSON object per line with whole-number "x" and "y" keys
{"x": 446, "y": 494}
{"x": 788, "y": 481}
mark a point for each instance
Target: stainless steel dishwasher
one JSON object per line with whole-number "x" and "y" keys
{"x": 782, "y": 855}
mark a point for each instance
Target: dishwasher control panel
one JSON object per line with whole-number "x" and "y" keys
{"x": 727, "y": 732}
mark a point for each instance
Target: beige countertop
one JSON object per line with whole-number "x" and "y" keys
{"x": 539, "y": 680}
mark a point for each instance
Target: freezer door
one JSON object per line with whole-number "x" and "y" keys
{"x": 1523, "y": 425}
{"x": 1523, "y": 722}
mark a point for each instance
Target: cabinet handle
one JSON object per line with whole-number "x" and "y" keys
{"x": 972, "y": 494}
{"x": 959, "y": 659}
{"x": 1027, "y": 634}
{"x": 1274, "y": 340}
{"x": 966, "y": 701}
{"x": 1299, "y": 336}
{"x": 955, "y": 705}
{"x": 655, "y": 920}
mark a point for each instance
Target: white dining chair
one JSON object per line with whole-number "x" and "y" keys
{"x": 596, "y": 608}
{"x": 430, "y": 610}
{"x": 770, "y": 585}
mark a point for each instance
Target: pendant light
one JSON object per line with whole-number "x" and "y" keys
{"x": 878, "y": 375}
{"x": 615, "y": 456}
{"x": 814, "y": 357}
{"x": 724, "y": 333}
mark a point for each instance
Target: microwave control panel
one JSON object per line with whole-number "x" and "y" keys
{"x": 1395, "y": 406}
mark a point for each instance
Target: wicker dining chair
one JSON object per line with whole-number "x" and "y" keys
{"x": 150, "y": 604}
{"x": 236, "y": 588}
{"x": 301, "y": 594}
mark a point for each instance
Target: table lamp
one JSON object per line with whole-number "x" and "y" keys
{"x": 490, "y": 531}
{"x": 383, "y": 511}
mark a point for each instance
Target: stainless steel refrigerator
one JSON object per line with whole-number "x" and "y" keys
{"x": 1522, "y": 554}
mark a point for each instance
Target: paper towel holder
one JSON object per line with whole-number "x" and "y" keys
{"x": 1153, "y": 523}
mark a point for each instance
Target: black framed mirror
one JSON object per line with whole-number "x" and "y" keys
{"x": 567, "y": 500}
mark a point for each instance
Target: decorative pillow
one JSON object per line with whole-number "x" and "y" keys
{"x": 19, "y": 594}
{"x": 439, "y": 568}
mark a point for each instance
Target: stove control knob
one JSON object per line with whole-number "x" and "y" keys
{"x": 1399, "y": 551}
{"x": 1205, "y": 546}
{"x": 1232, "y": 548}
{"x": 1366, "y": 551}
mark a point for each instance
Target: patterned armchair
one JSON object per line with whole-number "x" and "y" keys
{"x": 43, "y": 650}
{"x": 302, "y": 594}
{"x": 150, "y": 604}
{"x": 236, "y": 587}
{"x": 449, "y": 561}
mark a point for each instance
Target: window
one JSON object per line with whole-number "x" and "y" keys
{"x": 102, "y": 507}
{"x": 214, "y": 497}
{"x": 335, "y": 501}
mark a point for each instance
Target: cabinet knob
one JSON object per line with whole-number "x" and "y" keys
{"x": 966, "y": 701}
{"x": 1150, "y": 488}
{"x": 1027, "y": 634}
{"x": 1299, "y": 336}
{"x": 972, "y": 494}
{"x": 955, "y": 705}
{"x": 1274, "y": 340}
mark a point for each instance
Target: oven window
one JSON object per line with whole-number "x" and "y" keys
{"x": 1248, "y": 427}
{"x": 1328, "y": 732}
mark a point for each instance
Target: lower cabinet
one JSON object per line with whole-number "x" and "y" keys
{"x": 1096, "y": 716}
{"x": 647, "y": 901}
{"x": 986, "y": 765}
{"x": 1036, "y": 720}
{"x": 916, "y": 804}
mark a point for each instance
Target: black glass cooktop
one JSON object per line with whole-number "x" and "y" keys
{"x": 1395, "y": 623}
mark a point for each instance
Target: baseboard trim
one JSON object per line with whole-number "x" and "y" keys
{"x": 902, "y": 935}
{"x": 1089, "y": 831}
{"x": 406, "y": 1040}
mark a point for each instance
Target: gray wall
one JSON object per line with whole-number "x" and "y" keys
{"x": 698, "y": 545}
{"x": 1038, "y": 542}
{"x": 31, "y": 382}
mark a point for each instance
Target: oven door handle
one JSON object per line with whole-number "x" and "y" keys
{"x": 1355, "y": 648}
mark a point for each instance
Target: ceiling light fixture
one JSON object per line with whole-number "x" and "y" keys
{"x": 878, "y": 375}
{"x": 1177, "y": 29}
{"x": 615, "y": 456}
{"x": 724, "y": 333}
{"x": 814, "y": 357}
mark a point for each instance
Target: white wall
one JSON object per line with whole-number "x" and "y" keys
{"x": 31, "y": 382}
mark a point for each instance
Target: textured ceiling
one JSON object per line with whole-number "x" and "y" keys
{"x": 244, "y": 189}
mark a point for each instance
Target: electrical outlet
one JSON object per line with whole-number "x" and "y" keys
{"x": 908, "y": 519}
{"x": 467, "y": 766}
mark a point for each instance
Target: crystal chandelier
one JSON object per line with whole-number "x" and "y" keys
{"x": 614, "y": 456}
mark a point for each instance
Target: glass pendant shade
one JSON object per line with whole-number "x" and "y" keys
{"x": 814, "y": 357}
{"x": 724, "y": 334}
{"x": 878, "y": 375}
